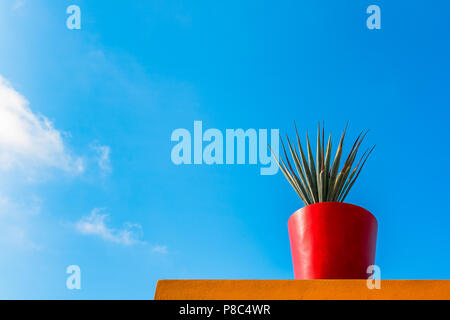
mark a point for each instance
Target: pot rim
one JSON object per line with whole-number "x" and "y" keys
{"x": 299, "y": 211}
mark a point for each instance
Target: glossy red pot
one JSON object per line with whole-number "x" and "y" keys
{"x": 332, "y": 240}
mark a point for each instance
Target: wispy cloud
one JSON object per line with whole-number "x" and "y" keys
{"x": 160, "y": 249}
{"x": 103, "y": 157}
{"x": 27, "y": 140}
{"x": 96, "y": 224}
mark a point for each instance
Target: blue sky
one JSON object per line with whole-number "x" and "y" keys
{"x": 86, "y": 176}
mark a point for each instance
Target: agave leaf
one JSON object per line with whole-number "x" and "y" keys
{"x": 347, "y": 183}
{"x": 299, "y": 168}
{"x": 333, "y": 186}
{"x": 346, "y": 168}
{"x": 319, "y": 156}
{"x": 328, "y": 154}
{"x": 327, "y": 167}
{"x": 319, "y": 187}
{"x": 355, "y": 146}
{"x": 354, "y": 151}
{"x": 312, "y": 167}
{"x": 288, "y": 176}
{"x": 338, "y": 191}
{"x": 306, "y": 168}
{"x": 323, "y": 139}
{"x": 322, "y": 186}
{"x": 335, "y": 167}
{"x": 349, "y": 180}
{"x": 356, "y": 177}
{"x": 319, "y": 159}
{"x": 339, "y": 182}
{"x": 350, "y": 158}
{"x": 294, "y": 177}
{"x": 315, "y": 179}
{"x": 342, "y": 183}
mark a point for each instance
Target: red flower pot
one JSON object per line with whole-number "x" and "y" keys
{"x": 332, "y": 240}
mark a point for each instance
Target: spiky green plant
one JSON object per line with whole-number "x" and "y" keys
{"x": 320, "y": 180}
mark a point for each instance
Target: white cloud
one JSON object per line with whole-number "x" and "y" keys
{"x": 160, "y": 249}
{"x": 27, "y": 140}
{"x": 95, "y": 224}
{"x": 103, "y": 157}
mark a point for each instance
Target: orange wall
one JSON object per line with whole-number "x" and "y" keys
{"x": 299, "y": 289}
